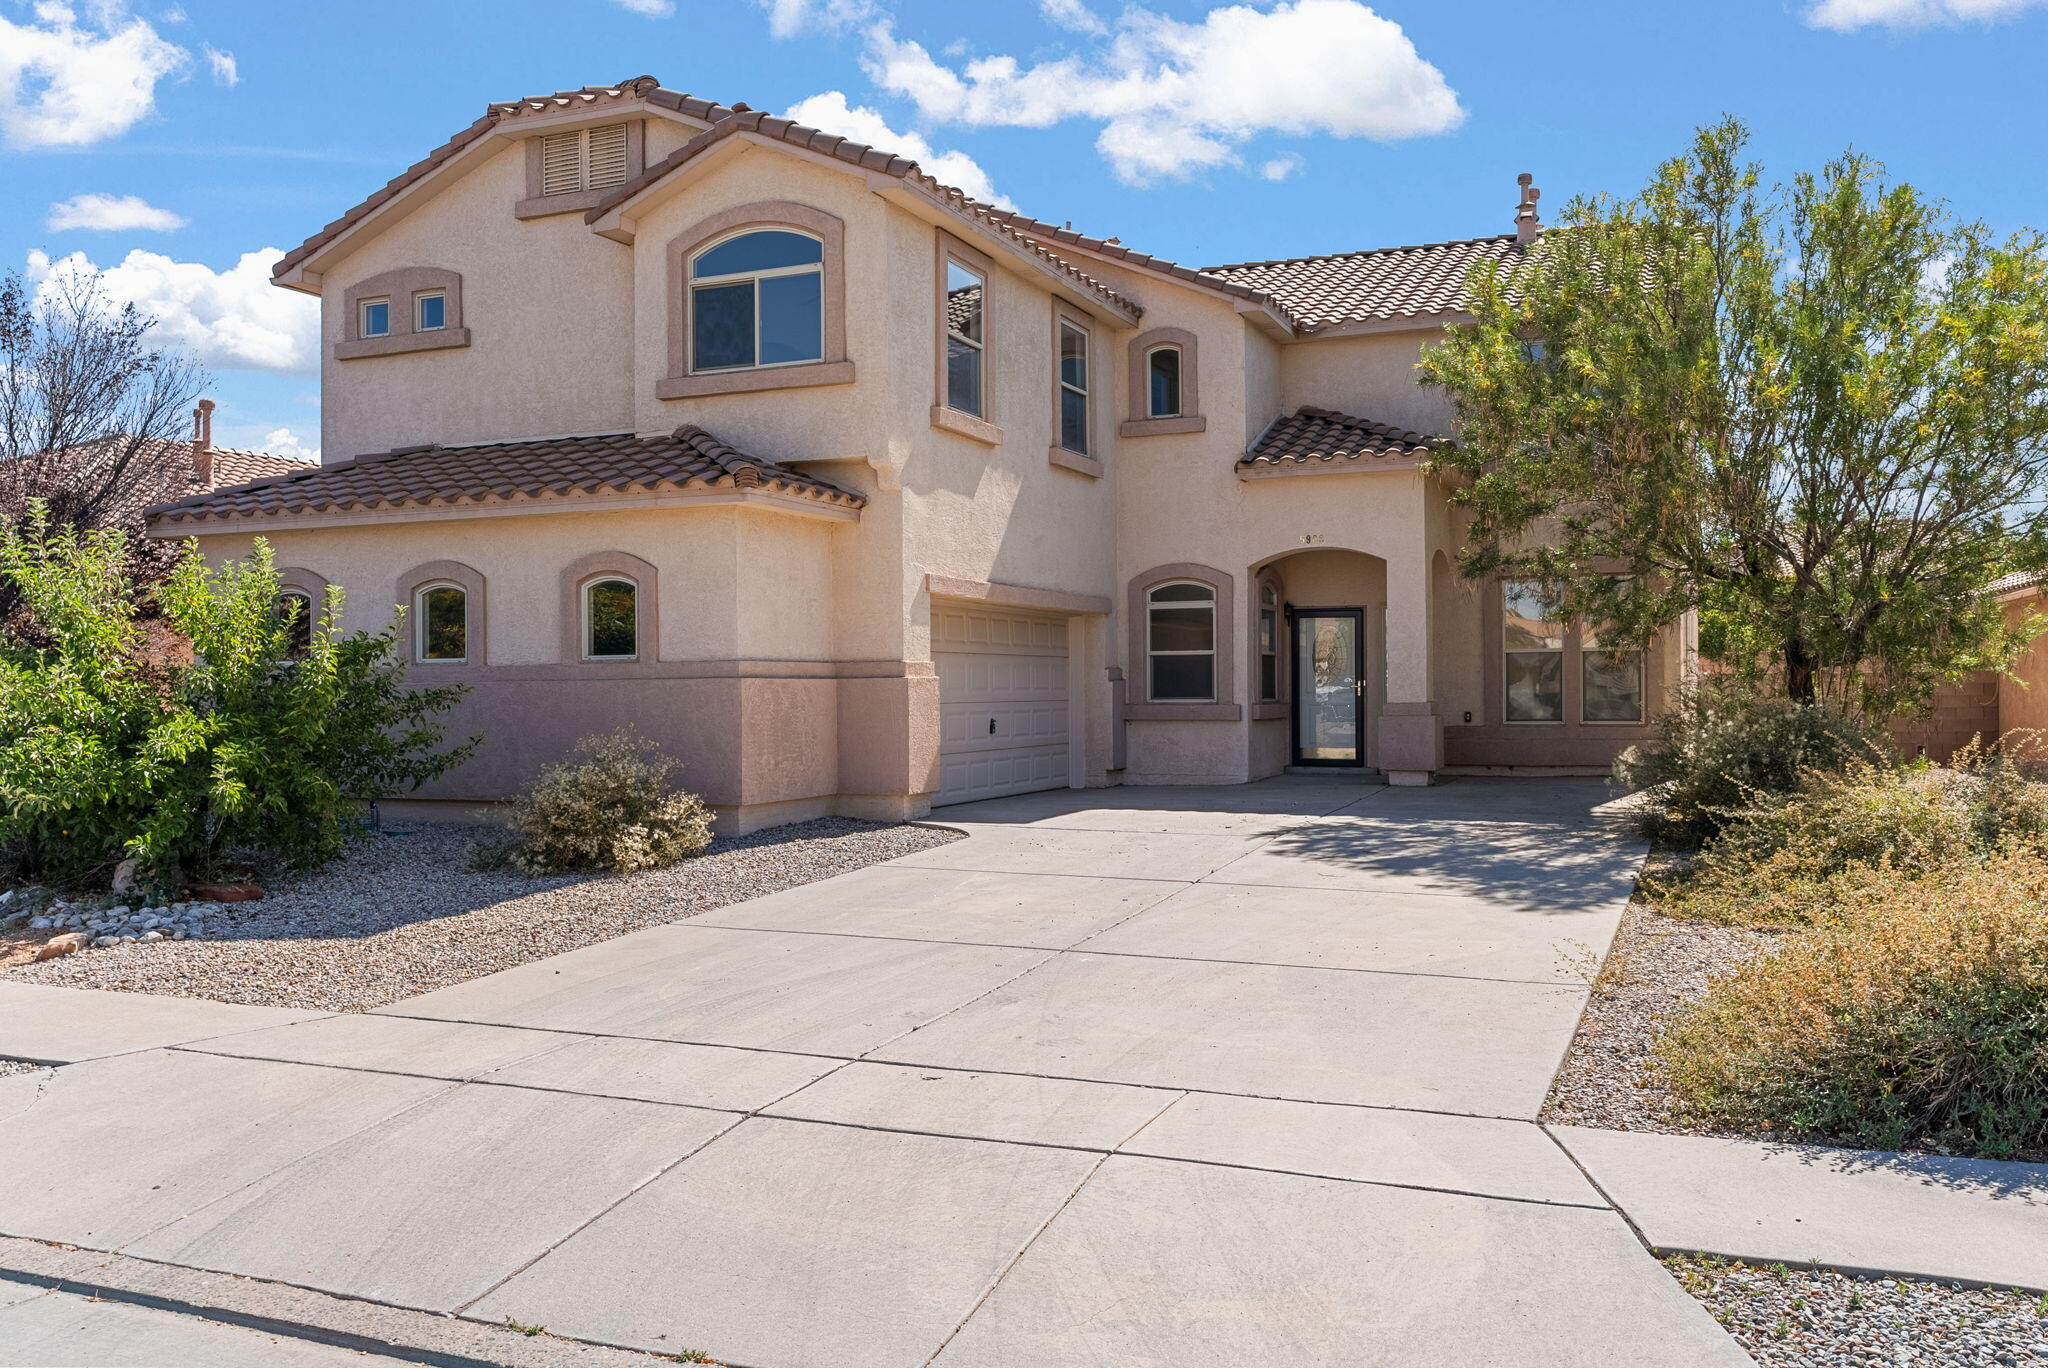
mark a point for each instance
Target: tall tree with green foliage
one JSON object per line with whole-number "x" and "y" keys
{"x": 1817, "y": 413}
{"x": 215, "y": 723}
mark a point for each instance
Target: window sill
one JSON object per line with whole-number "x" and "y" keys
{"x": 741, "y": 382}
{"x": 1161, "y": 427}
{"x": 966, "y": 425}
{"x": 575, "y": 202}
{"x": 1267, "y": 712}
{"x": 1182, "y": 712}
{"x": 400, "y": 343}
{"x": 1076, "y": 462}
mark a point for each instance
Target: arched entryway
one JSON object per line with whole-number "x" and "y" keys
{"x": 1318, "y": 665}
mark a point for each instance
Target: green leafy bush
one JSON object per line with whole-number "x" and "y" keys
{"x": 1720, "y": 751}
{"x": 1914, "y": 1013}
{"x": 610, "y": 807}
{"x": 207, "y": 730}
{"x": 1776, "y": 858}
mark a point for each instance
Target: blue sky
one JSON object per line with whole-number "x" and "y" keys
{"x": 183, "y": 146}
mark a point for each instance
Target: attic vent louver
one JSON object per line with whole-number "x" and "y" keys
{"x": 583, "y": 159}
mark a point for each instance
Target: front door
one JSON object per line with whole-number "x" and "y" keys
{"x": 1329, "y": 686}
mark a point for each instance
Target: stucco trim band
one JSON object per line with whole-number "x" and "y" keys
{"x": 746, "y": 381}
{"x": 692, "y": 497}
{"x": 1062, "y": 459}
{"x": 966, "y": 425}
{"x": 1014, "y": 595}
{"x": 1375, "y": 466}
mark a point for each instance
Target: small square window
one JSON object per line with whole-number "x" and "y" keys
{"x": 376, "y": 320}
{"x": 430, "y": 313}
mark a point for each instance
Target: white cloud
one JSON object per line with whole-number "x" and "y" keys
{"x": 798, "y": 18}
{"x": 63, "y": 85}
{"x": 830, "y": 112}
{"x": 1174, "y": 98}
{"x": 229, "y": 320}
{"x": 1072, "y": 14}
{"x": 1281, "y": 167}
{"x": 1855, "y": 14}
{"x": 285, "y": 442}
{"x": 110, "y": 214}
{"x": 653, "y": 9}
{"x": 225, "y": 71}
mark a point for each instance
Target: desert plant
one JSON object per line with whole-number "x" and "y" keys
{"x": 1720, "y": 750}
{"x": 208, "y": 731}
{"x": 610, "y": 807}
{"x": 1913, "y": 1014}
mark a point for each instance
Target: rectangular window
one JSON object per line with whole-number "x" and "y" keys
{"x": 966, "y": 339}
{"x": 1534, "y": 642}
{"x": 1073, "y": 389}
{"x": 583, "y": 159}
{"x": 1610, "y": 681}
{"x": 1162, "y": 368}
{"x": 1269, "y": 645}
{"x": 376, "y": 319}
{"x": 430, "y": 313}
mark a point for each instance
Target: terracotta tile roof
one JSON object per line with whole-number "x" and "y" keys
{"x": 1144, "y": 261}
{"x": 158, "y": 462}
{"x": 869, "y": 159}
{"x": 1313, "y": 434}
{"x": 1384, "y": 283}
{"x": 2020, "y": 579}
{"x": 497, "y": 473}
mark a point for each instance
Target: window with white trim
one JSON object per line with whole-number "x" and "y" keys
{"x": 1073, "y": 363}
{"x": 1533, "y": 640}
{"x": 1162, "y": 382}
{"x": 583, "y": 159}
{"x": 611, "y": 619}
{"x": 757, "y": 299}
{"x": 441, "y": 624}
{"x": 1269, "y": 643}
{"x": 1180, "y": 643}
{"x": 966, "y": 339}
{"x": 429, "y": 311}
{"x": 374, "y": 318}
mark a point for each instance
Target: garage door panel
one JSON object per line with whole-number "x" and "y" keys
{"x": 1002, "y": 701}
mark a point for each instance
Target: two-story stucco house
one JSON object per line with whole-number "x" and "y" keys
{"x": 861, "y": 496}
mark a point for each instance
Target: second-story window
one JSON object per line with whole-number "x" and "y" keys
{"x": 1073, "y": 391}
{"x": 430, "y": 312}
{"x": 376, "y": 318}
{"x": 1162, "y": 374}
{"x": 583, "y": 159}
{"x": 757, "y": 299}
{"x": 966, "y": 341}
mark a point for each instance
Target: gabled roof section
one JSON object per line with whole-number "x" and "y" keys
{"x": 869, "y": 159}
{"x": 1113, "y": 250}
{"x": 1312, "y": 438}
{"x": 638, "y": 89}
{"x": 490, "y": 476}
{"x": 1382, "y": 284}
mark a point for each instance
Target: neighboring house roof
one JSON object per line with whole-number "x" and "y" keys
{"x": 499, "y": 473}
{"x": 1375, "y": 285}
{"x": 2015, "y": 582}
{"x": 867, "y": 158}
{"x": 1312, "y": 435}
{"x": 156, "y": 459}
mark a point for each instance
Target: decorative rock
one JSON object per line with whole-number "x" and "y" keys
{"x": 124, "y": 876}
{"x": 152, "y": 936}
{"x": 69, "y": 943}
{"x": 104, "y": 941}
{"x": 39, "y": 923}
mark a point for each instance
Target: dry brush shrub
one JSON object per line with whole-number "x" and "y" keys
{"x": 610, "y": 807}
{"x": 1912, "y": 1014}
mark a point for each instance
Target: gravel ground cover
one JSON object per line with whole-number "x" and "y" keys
{"x": 1656, "y": 966}
{"x": 19, "y": 1066}
{"x": 1811, "y": 1318}
{"x": 398, "y": 915}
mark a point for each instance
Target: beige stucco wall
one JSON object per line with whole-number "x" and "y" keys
{"x": 1370, "y": 376}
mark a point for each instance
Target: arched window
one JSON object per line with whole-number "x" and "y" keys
{"x": 1162, "y": 379}
{"x": 611, "y": 619}
{"x": 441, "y": 624}
{"x": 295, "y": 606}
{"x": 757, "y": 299}
{"x": 1180, "y": 636}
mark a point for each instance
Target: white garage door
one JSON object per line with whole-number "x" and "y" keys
{"x": 1002, "y": 701}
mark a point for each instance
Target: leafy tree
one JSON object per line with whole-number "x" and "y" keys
{"x": 227, "y": 725}
{"x": 1816, "y": 413}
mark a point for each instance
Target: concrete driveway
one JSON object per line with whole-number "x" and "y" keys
{"x": 1239, "y": 1076}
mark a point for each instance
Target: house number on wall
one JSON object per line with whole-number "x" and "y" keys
{"x": 1311, "y": 539}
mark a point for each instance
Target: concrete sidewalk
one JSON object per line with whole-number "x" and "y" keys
{"x": 1177, "y": 1077}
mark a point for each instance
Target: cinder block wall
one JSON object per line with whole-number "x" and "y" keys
{"x": 1962, "y": 711}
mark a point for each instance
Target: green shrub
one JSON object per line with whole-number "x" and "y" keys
{"x": 206, "y": 731}
{"x": 1776, "y": 858}
{"x": 1913, "y": 1014}
{"x": 1721, "y": 750}
{"x": 611, "y": 807}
